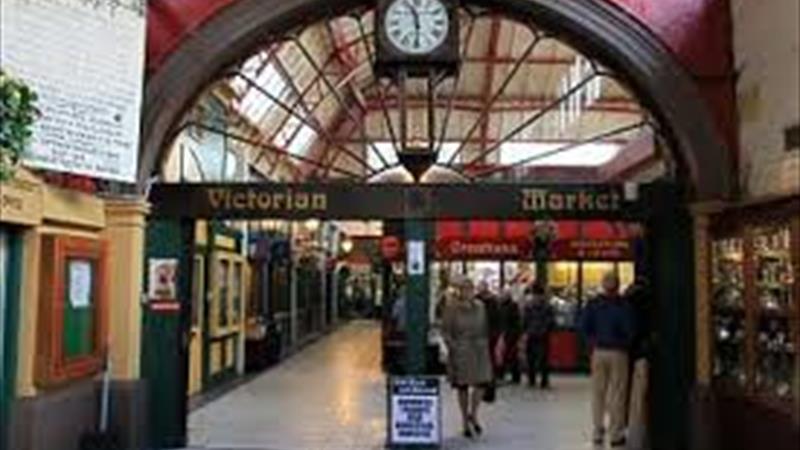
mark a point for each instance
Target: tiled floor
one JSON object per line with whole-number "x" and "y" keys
{"x": 331, "y": 396}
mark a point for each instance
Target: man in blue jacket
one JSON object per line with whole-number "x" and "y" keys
{"x": 608, "y": 324}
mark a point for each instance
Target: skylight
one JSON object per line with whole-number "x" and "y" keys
{"x": 255, "y": 104}
{"x": 386, "y": 149}
{"x": 587, "y": 155}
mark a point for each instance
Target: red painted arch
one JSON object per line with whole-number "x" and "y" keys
{"x": 698, "y": 32}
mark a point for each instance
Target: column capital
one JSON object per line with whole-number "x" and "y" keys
{"x": 126, "y": 212}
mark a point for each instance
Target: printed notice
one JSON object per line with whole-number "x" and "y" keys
{"x": 415, "y": 411}
{"x": 416, "y": 257}
{"x": 80, "y": 284}
{"x": 85, "y": 60}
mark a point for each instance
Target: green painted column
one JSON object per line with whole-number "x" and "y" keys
{"x": 670, "y": 260}
{"x": 10, "y": 288}
{"x": 417, "y": 295}
{"x": 165, "y": 336}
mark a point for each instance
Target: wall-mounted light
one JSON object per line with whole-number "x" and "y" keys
{"x": 312, "y": 225}
{"x": 347, "y": 245}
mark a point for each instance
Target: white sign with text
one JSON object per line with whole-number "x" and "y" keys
{"x": 415, "y": 411}
{"x": 85, "y": 60}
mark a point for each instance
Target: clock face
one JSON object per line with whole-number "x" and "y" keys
{"x": 417, "y": 27}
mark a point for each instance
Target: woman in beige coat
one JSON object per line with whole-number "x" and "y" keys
{"x": 465, "y": 330}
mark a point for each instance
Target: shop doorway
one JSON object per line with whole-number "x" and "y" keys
{"x": 316, "y": 120}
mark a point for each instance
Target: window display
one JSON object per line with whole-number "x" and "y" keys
{"x": 728, "y": 310}
{"x": 775, "y": 350}
{"x": 754, "y": 304}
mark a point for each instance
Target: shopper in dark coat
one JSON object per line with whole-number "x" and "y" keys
{"x": 639, "y": 297}
{"x": 538, "y": 322}
{"x": 493, "y": 317}
{"x": 511, "y": 324}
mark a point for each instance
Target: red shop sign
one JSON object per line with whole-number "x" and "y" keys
{"x": 483, "y": 249}
{"x": 592, "y": 249}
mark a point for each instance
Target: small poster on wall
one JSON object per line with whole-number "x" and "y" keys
{"x": 80, "y": 284}
{"x": 163, "y": 276}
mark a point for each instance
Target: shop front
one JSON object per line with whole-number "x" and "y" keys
{"x": 501, "y": 254}
{"x": 749, "y": 319}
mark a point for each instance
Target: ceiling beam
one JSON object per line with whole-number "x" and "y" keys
{"x": 476, "y": 104}
{"x": 531, "y": 60}
{"x": 489, "y": 71}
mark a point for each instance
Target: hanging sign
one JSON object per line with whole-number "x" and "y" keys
{"x": 415, "y": 411}
{"x": 333, "y": 201}
{"x": 85, "y": 60}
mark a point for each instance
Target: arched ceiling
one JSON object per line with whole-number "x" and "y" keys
{"x": 696, "y": 31}
{"x": 521, "y": 100}
{"x": 244, "y": 26}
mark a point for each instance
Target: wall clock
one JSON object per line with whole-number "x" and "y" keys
{"x": 416, "y": 36}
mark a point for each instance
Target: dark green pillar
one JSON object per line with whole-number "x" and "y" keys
{"x": 670, "y": 259}
{"x": 165, "y": 336}
{"x": 417, "y": 298}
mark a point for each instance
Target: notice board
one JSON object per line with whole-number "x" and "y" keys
{"x": 85, "y": 60}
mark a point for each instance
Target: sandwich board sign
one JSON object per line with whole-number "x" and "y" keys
{"x": 415, "y": 412}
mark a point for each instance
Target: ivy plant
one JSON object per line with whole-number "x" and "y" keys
{"x": 17, "y": 115}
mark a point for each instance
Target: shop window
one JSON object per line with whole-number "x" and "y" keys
{"x": 729, "y": 310}
{"x": 73, "y": 303}
{"x": 772, "y": 260}
{"x": 754, "y": 304}
{"x": 198, "y": 290}
{"x": 222, "y": 293}
{"x": 236, "y": 294}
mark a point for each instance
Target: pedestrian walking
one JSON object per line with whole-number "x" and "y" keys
{"x": 607, "y": 324}
{"x": 511, "y": 325}
{"x": 465, "y": 330}
{"x": 538, "y": 322}
{"x": 638, "y": 296}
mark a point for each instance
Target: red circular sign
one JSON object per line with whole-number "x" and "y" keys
{"x": 390, "y": 247}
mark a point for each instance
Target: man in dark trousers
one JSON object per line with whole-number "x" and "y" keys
{"x": 608, "y": 324}
{"x": 511, "y": 323}
{"x": 538, "y": 322}
{"x": 640, "y": 298}
{"x": 493, "y": 316}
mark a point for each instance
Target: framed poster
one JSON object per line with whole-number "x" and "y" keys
{"x": 162, "y": 279}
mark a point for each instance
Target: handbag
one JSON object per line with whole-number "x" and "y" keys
{"x": 490, "y": 392}
{"x": 499, "y": 351}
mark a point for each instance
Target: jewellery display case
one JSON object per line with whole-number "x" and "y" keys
{"x": 755, "y": 292}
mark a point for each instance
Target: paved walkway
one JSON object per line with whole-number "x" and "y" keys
{"x": 331, "y": 396}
